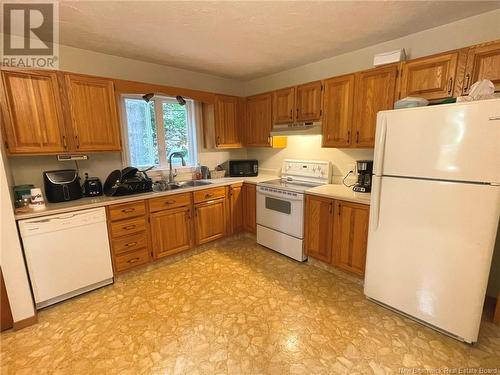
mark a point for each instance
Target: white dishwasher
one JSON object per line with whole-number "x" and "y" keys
{"x": 66, "y": 254}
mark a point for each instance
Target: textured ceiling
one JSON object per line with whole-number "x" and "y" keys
{"x": 245, "y": 40}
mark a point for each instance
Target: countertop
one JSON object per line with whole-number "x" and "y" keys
{"x": 102, "y": 201}
{"x": 339, "y": 191}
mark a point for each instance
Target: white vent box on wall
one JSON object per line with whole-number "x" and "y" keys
{"x": 389, "y": 57}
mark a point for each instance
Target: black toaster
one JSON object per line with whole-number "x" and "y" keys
{"x": 62, "y": 185}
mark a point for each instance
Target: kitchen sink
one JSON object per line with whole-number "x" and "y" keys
{"x": 194, "y": 183}
{"x": 180, "y": 185}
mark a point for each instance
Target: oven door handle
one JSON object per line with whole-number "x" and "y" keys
{"x": 298, "y": 197}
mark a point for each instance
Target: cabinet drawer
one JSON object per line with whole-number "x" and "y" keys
{"x": 170, "y": 201}
{"x": 129, "y": 260}
{"x": 129, "y": 243}
{"x": 126, "y": 210}
{"x": 132, "y": 226}
{"x": 209, "y": 194}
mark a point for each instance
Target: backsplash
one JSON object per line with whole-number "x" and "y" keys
{"x": 28, "y": 169}
{"x": 308, "y": 147}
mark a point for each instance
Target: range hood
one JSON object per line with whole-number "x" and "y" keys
{"x": 297, "y": 128}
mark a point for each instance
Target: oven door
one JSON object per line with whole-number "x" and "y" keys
{"x": 281, "y": 210}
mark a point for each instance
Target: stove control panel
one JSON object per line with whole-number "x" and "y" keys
{"x": 307, "y": 170}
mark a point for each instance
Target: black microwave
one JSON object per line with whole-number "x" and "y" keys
{"x": 242, "y": 168}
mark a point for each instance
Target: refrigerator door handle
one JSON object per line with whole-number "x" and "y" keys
{"x": 375, "y": 203}
{"x": 380, "y": 146}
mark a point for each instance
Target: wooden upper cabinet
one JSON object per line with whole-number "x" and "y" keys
{"x": 283, "y": 105}
{"x": 375, "y": 90}
{"x": 259, "y": 120}
{"x": 171, "y": 231}
{"x": 93, "y": 113}
{"x": 33, "y": 118}
{"x": 318, "y": 228}
{"x": 338, "y": 103}
{"x": 350, "y": 236}
{"x": 429, "y": 77}
{"x": 227, "y": 132}
{"x": 309, "y": 101}
{"x": 483, "y": 62}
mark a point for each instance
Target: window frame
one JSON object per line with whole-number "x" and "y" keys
{"x": 160, "y": 132}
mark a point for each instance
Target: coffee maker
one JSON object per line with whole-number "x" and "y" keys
{"x": 365, "y": 169}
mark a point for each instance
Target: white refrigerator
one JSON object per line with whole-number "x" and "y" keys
{"x": 434, "y": 213}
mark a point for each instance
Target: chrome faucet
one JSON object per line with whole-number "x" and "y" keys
{"x": 171, "y": 174}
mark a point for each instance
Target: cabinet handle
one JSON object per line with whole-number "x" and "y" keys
{"x": 450, "y": 85}
{"x": 494, "y": 118}
{"x": 217, "y": 142}
{"x": 340, "y": 210}
{"x": 357, "y": 136}
{"x": 77, "y": 141}
{"x": 129, "y": 227}
{"x": 331, "y": 207}
{"x": 133, "y": 260}
{"x": 291, "y": 114}
{"x": 188, "y": 215}
{"x": 297, "y": 112}
{"x": 126, "y": 210}
{"x": 170, "y": 201}
{"x": 196, "y": 211}
{"x": 65, "y": 144}
{"x": 348, "y": 136}
{"x": 208, "y": 195}
{"x": 467, "y": 81}
{"x": 131, "y": 244}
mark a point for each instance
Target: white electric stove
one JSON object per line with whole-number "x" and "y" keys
{"x": 280, "y": 205}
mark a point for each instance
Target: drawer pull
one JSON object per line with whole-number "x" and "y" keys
{"x": 170, "y": 201}
{"x": 128, "y": 210}
{"x": 128, "y": 227}
{"x": 131, "y": 244}
{"x": 133, "y": 260}
{"x": 208, "y": 195}
{"x": 494, "y": 118}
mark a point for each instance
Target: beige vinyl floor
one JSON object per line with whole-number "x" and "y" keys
{"x": 234, "y": 308}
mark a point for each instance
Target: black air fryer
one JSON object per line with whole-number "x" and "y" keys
{"x": 62, "y": 185}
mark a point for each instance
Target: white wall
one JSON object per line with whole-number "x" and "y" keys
{"x": 11, "y": 255}
{"x": 462, "y": 33}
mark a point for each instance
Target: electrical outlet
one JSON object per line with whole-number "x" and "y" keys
{"x": 352, "y": 167}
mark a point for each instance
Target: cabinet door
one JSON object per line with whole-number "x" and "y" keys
{"x": 33, "y": 118}
{"x": 309, "y": 101}
{"x": 283, "y": 105}
{"x": 249, "y": 208}
{"x": 236, "y": 207}
{"x": 350, "y": 236}
{"x": 227, "y": 133}
{"x": 93, "y": 113}
{"x": 483, "y": 62}
{"x": 210, "y": 221}
{"x": 374, "y": 91}
{"x": 259, "y": 120}
{"x": 429, "y": 77}
{"x": 171, "y": 231}
{"x": 338, "y": 105}
{"x": 318, "y": 228}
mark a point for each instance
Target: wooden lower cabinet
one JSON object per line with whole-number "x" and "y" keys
{"x": 5, "y": 312}
{"x": 210, "y": 220}
{"x": 318, "y": 228}
{"x": 235, "y": 208}
{"x": 249, "y": 208}
{"x": 336, "y": 232}
{"x": 128, "y": 228}
{"x": 171, "y": 231}
{"x": 350, "y": 235}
